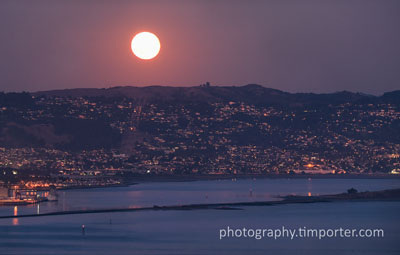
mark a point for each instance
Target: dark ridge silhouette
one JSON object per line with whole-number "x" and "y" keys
{"x": 251, "y": 93}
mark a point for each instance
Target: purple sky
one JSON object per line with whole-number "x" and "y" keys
{"x": 296, "y": 46}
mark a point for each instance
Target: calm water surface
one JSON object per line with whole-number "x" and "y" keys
{"x": 175, "y": 193}
{"x": 197, "y": 231}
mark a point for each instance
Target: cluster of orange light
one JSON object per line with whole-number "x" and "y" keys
{"x": 36, "y": 185}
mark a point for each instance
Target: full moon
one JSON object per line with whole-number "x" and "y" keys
{"x": 145, "y": 45}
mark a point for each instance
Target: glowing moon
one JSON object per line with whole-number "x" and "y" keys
{"x": 145, "y": 45}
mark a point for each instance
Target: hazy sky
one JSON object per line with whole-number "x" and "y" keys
{"x": 296, "y": 46}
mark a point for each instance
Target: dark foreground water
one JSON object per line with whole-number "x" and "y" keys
{"x": 197, "y": 231}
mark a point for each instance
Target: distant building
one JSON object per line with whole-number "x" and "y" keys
{"x": 206, "y": 85}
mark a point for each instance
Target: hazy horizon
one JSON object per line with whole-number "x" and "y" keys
{"x": 295, "y": 46}
{"x": 189, "y": 86}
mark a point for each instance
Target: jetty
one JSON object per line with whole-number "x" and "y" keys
{"x": 384, "y": 195}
